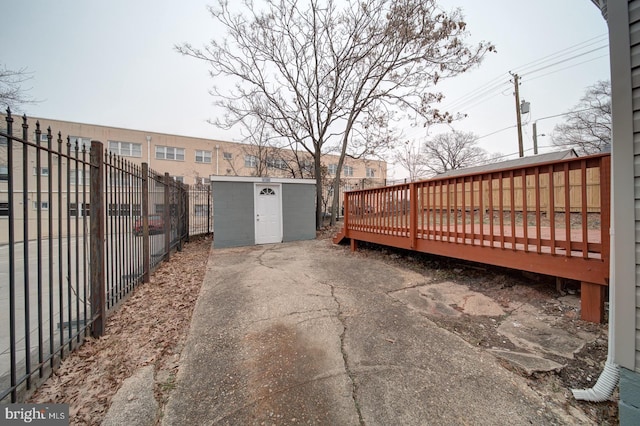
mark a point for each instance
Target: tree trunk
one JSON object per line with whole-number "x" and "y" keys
{"x": 318, "y": 168}
{"x": 336, "y": 181}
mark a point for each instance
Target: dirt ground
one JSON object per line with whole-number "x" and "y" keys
{"x": 149, "y": 328}
{"x": 152, "y": 325}
{"x": 511, "y": 288}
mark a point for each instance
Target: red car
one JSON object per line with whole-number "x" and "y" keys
{"x": 156, "y": 225}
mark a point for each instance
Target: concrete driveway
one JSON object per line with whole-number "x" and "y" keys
{"x": 304, "y": 333}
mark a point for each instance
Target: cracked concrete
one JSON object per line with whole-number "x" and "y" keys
{"x": 300, "y": 333}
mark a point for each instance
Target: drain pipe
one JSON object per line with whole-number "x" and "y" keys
{"x": 606, "y": 383}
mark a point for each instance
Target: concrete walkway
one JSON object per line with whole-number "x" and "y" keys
{"x": 300, "y": 333}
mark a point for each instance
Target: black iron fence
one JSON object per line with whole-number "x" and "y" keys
{"x": 80, "y": 228}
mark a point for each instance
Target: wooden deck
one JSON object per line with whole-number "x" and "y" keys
{"x": 481, "y": 218}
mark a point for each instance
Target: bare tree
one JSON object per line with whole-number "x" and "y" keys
{"x": 316, "y": 72}
{"x": 12, "y": 94}
{"x": 588, "y": 127}
{"x": 451, "y": 151}
{"x": 410, "y": 156}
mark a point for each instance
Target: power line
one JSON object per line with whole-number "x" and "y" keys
{"x": 494, "y": 84}
{"x": 567, "y": 67}
{"x": 483, "y": 96}
{"x": 538, "y": 119}
{"x": 551, "y": 57}
{"x": 565, "y": 60}
{"x": 497, "y": 131}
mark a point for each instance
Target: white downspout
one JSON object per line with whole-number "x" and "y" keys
{"x": 217, "y": 162}
{"x": 606, "y": 383}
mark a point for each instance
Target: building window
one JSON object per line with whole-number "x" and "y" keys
{"x": 4, "y": 172}
{"x": 83, "y": 143}
{"x": 4, "y": 209}
{"x": 3, "y": 141}
{"x": 200, "y": 210}
{"x": 117, "y": 179}
{"x": 121, "y": 209}
{"x": 371, "y": 172}
{"x": 202, "y": 181}
{"x": 178, "y": 179}
{"x": 125, "y": 149}
{"x": 73, "y": 210}
{"x": 276, "y": 163}
{"x": 227, "y": 155}
{"x": 44, "y": 171}
{"x": 80, "y": 177}
{"x": 44, "y": 205}
{"x": 267, "y": 191}
{"x": 348, "y": 171}
{"x": 250, "y": 161}
{"x": 43, "y": 137}
{"x": 307, "y": 166}
{"x": 169, "y": 153}
{"x": 203, "y": 156}
{"x": 332, "y": 169}
{"x": 173, "y": 209}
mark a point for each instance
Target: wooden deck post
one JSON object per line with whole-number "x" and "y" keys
{"x": 413, "y": 214}
{"x": 592, "y": 302}
{"x": 354, "y": 244}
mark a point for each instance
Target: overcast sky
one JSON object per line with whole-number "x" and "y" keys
{"x": 113, "y": 63}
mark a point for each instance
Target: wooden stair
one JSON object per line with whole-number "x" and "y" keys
{"x": 340, "y": 237}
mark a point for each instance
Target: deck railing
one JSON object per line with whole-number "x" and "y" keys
{"x": 550, "y": 218}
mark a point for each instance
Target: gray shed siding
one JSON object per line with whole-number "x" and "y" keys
{"x": 233, "y": 214}
{"x": 298, "y": 212}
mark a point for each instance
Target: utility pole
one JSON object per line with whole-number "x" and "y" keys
{"x": 535, "y": 137}
{"x": 517, "y": 93}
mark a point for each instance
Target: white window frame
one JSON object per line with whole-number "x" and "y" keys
{"x": 178, "y": 178}
{"x": 82, "y": 143}
{"x": 116, "y": 147}
{"x": 332, "y": 169}
{"x": 371, "y": 172}
{"x": 77, "y": 175}
{"x": 44, "y": 205}
{"x": 276, "y": 163}
{"x": 250, "y": 161}
{"x": 44, "y": 171}
{"x": 227, "y": 155}
{"x": 200, "y": 210}
{"x": 80, "y": 209}
{"x": 347, "y": 170}
{"x": 203, "y": 156}
{"x": 165, "y": 152}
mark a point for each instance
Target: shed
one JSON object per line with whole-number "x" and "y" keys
{"x": 262, "y": 210}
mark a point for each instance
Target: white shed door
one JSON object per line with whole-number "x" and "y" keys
{"x": 268, "y": 213}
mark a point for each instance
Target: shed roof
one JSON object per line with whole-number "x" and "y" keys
{"x": 260, "y": 179}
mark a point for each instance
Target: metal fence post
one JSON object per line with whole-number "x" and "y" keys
{"x": 167, "y": 216}
{"x": 209, "y": 209}
{"x": 187, "y": 213}
{"x": 146, "y": 258}
{"x": 97, "y": 238}
{"x": 180, "y": 210}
